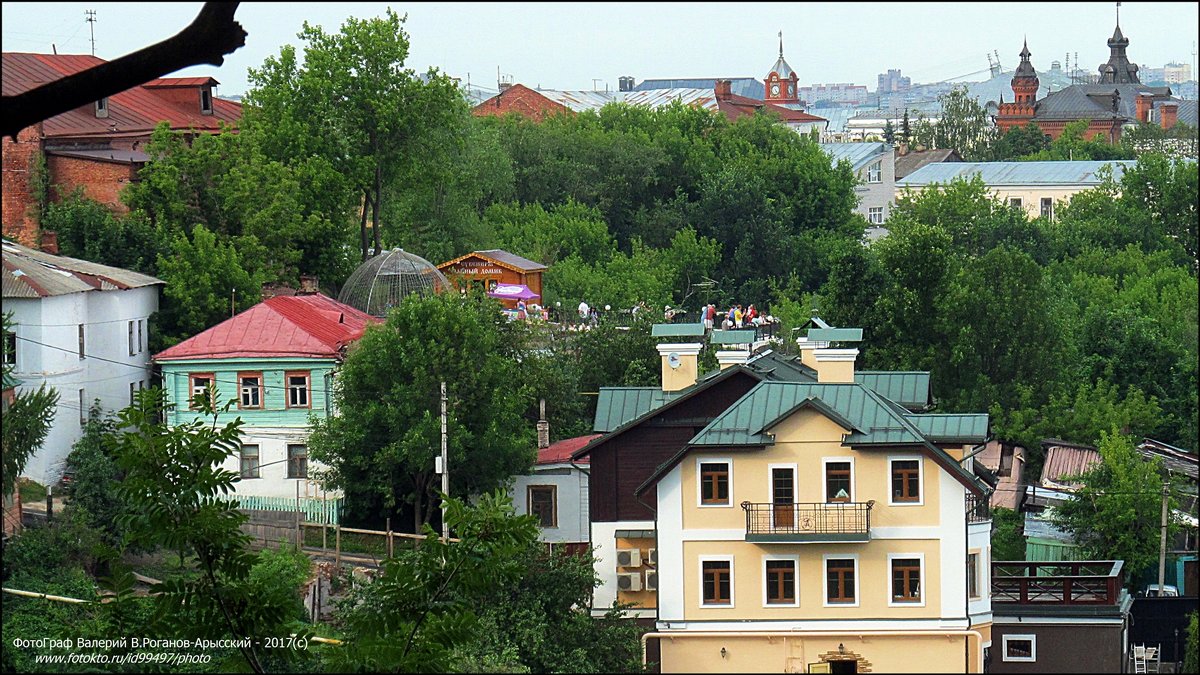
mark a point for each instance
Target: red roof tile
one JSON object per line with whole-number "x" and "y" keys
{"x": 135, "y": 110}
{"x": 300, "y": 325}
{"x": 181, "y": 82}
{"x": 739, "y": 106}
{"x": 560, "y": 452}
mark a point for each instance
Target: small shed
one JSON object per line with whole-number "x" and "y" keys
{"x": 486, "y": 270}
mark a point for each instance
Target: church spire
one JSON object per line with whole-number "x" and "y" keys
{"x": 1118, "y": 69}
{"x": 781, "y": 44}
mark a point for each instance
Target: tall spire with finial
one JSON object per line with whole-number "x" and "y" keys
{"x": 781, "y": 44}
{"x": 1118, "y": 69}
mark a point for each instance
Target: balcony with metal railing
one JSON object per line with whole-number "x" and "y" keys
{"x": 979, "y": 509}
{"x": 808, "y": 523}
{"x": 1060, "y": 585}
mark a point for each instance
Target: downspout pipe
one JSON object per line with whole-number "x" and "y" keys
{"x": 806, "y": 634}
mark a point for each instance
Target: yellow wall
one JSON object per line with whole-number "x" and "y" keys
{"x": 874, "y": 589}
{"x": 644, "y": 599}
{"x": 1031, "y": 196}
{"x": 674, "y": 379}
{"x": 804, "y": 439}
{"x": 876, "y": 654}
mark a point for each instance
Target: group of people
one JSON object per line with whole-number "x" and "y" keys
{"x": 736, "y": 317}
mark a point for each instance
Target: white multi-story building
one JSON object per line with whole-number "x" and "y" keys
{"x": 80, "y": 328}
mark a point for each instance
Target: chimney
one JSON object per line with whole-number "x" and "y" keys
{"x": 680, "y": 364}
{"x": 308, "y": 285}
{"x": 835, "y": 365}
{"x": 1143, "y": 107}
{"x": 543, "y": 427}
{"x": 505, "y": 86}
{"x": 807, "y": 349}
{"x": 902, "y": 149}
{"x": 625, "y": 83}
{"x": 1168, "y": 115}
{"x": 723, "y": 90}
{"x": 49, "y": 243}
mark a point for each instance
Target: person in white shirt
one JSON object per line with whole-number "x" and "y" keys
{"x": 584, "y": 310}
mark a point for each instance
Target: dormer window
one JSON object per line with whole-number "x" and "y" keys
{"x": 102, "y": 108}
{"x": 206, "y": 106}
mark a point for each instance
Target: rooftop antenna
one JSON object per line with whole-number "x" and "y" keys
{"x": 1118, "y": 15}
{"x": 594, "y": 81}
{"x": 780, "y": 44}
{"x": 91, "y": 19}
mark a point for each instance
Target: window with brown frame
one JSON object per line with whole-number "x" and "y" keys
{"x": 716, "y": 582}
{"x": 200, "y": 382}
{"x": 297, "y": 389}
{"x": 542, "y": 501}
{"x": 249, "y": 457}
{"x": 714, "y": 483}
{"x": 781, "y": 582}
{"x": 837, "y": 482}
{"x": 839, "y": 575}
{"x": 297, "y": 461}
{"x": 906, "y": 580}
{"x": 250, "y": 387}
{"x": 82, "y": 353}
{"x": 906, "y": 480}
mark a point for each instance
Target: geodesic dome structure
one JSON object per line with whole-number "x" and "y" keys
{"x": 383, "y": 281}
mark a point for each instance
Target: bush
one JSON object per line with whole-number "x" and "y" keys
{"x": 43, "y": 552}
{"x": 1191, "y": 651}
{"x": 1007, "y": 540}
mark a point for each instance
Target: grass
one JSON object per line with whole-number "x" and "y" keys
{"x": 354, "y": 543}
{"x": 32, "y": 492}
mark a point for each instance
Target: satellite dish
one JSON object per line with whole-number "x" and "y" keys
{"x": 673, "y": 360}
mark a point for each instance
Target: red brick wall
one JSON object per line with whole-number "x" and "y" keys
{"x": 101, "y": 181}
{"x": 521, "y": 100}
{"x": 19, "y": 217}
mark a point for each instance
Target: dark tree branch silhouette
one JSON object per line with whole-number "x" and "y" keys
{"x": 211, "y": 36}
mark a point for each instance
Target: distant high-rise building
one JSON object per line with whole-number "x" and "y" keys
{"x": 1177, "y": 73}
{"x": 893, "y": 81}
{"x": 842, "y": 92}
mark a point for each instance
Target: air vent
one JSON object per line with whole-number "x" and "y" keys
{"x": 629, "y": 557}
{"x": 629, "y": 581}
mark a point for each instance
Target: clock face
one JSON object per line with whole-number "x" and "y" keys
{"x": 774, "y": 89}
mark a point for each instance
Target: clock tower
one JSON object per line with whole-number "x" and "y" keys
{"x": 782, "y": 82}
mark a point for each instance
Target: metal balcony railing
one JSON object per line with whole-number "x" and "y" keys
{"x": 979, "y": 509}
{"x": 808, "y": 522}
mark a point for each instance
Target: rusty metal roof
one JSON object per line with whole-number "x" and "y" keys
{"x": 1064, "y": 462}
{"x": 29, "y": 273}
{"x": 135, "y": 110}
{"x": 181, "y": 82}
{"x": 114, "y": 155}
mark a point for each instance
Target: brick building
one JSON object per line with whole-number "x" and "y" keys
{"x": 97, "y": 147}
{"x": 1118, "y": 100}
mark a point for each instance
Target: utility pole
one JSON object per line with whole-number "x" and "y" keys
{"x": 1162, "y": 543}
{"x": 445, "y": 466}
{"x": 91, "y": 19}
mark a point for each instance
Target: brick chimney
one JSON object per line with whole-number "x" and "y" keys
{"x": 1143, "y": 107}
{"x": 1168, "y": 115}
{"x": 723, "y": 90}
{"x": 49, "y": 243}
{"x": 308, "y": 285}
{"x": 543, "y": 427}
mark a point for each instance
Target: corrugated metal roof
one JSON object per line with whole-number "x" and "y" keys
{"x": 910, "y": 389}
{"x": 560, "y": 452}
{"x": 299, "y": 325}
{"x": 29, "y": 273}
{"x": 909, "y": 162}
{"x": 1076, "y": 173}
{"x": 134, "y": 110}
{"x": 858, "y": 154}
{"x": 117, "y": 156}
{"x": 742, "y": 86}
{"x": 617, "y": 405}
{"x": 513, "y": 260}
{"x": 944, "y": 428}
{"x": 181, "y": 82}
{"x": 1063, "y": 462}
{"x": 835, "y": 334}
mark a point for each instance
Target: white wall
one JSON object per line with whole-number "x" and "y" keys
{"x": 571, "y": 498}
{"x": 272, "y": 460}
{"x": 48, "y": 351}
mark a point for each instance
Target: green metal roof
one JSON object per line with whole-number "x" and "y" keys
{"x": 732, "y": 337}
{"x": 746, "y": 421}
{"x": 618, "y": 405}
{"x": 677, "y": 330}
{"x": 835, "y": 334}
{"x": 908, "y": 388}
{"x": 943, "y": 428}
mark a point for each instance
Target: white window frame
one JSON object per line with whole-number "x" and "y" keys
{"x": 920, "y": 480}
{"x": 875, "y": 172}
{"x": 1018, "y": 202}
{"x": 1019, "y": 659}
{"x": 824, "y": 477}
{"x": 891, "y": 599}
{"x": 1049, "y": 214}
{"x": 795, "y": 558}
{"x": 141, "y": 342}
{"x": 10, "y": 356}
{"x": 732, "y": 580}
{"x": 133, "y": 348}
{"x": 825, "y": 579}
{"x": 728, "y": 462}
{"x": 872, "y": 212}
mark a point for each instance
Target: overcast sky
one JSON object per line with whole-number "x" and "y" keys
{"x": 567, "y": 45}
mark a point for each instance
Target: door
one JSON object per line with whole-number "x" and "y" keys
{"x": 783, "y": 498}
{"x": 846, "y": 666}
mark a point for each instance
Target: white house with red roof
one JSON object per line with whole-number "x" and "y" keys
{"x": 277, "y": 361}
{"x": 557, "y": 490}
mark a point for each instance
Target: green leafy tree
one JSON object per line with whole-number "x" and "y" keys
{"x": 381, "y": 445}
{"x": 89, "y": 230}
{"x": 1191, "y": 658}
{"x": 1019, "y": 142}
{"x": 175, "y": 495}
{"x": 27, "y": 420}
{"x": 1116, "y": 514}
{"x": 964, "y": 125}
{"x": 889, "y": 132}
{"x": 95, "y": 477}
{"x": 1180, "y": 141}
{"x": 1007, "y": 541}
